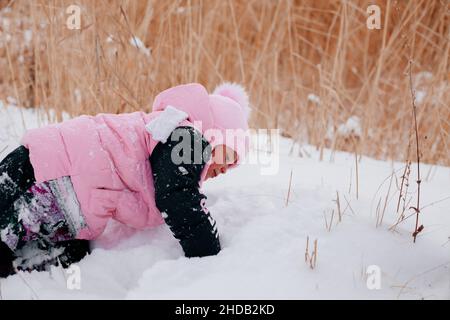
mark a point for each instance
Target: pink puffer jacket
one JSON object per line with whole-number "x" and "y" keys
{"x": 107, "y": 156}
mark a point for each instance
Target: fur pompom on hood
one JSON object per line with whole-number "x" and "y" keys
{"x": 225, "y": 111}
{"x": 235, "y": 92}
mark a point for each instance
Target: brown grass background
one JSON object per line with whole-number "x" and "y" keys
{"x": 281, "y": 51}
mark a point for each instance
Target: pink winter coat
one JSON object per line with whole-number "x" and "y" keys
{"x": 107, "y": 156}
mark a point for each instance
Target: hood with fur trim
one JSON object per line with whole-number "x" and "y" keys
{"x": 222, "y": 117}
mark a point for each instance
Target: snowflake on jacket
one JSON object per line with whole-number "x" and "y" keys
{"x": 177, "y": 191}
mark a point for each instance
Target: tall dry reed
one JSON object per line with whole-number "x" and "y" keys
{"x": 312, "y": 67}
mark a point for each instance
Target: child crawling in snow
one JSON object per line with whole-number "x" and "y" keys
{"x": 59, "y": 189}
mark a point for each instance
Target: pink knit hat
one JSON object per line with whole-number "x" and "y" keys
{"x": 221, "y": 116}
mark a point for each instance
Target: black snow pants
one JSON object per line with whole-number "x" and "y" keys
{"x": 16, "y": 177}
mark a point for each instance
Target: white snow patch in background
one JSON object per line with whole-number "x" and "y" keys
{"x": 6, "y": 23}
{"x": 137, "y": 43}
{"x": 28, "y": 37}
{"x": 181, "y": 10}
{"x": 422, "y": 77}
{"x": 420, "y": 96}
{"x": 77, "y": 95}
{"x": 263, "y": 240}
{"x": 351, "y": 127}
{"x": 11, "y": 100}
{"x": 313, "y": 98}
{"x": 422, "y": 83}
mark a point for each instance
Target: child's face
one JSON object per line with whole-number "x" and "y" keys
{"x": 222, "y": 158}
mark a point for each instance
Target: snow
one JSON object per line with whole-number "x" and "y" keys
{"x": 421, "y": 83}
{"x": 15, "y": 121}
{"x": 263, "y": 238}
{"x": 11, "y": 100}
{"x": 313, "y": 98}
{"x": 183, "y": 170}
{"x": 420, "y": 96}
{"x": 4, "y": 178}
{"x": 31, "y": 256}
{"x": 77, "y": 95}
{"x": 351, "y": 127}
{"x": 422, "y": 77}
{"x": 181, "y": 10}
{"x": 8, "y": 236}
{"x": 28, "y": 37}
{"x": 26, "y": 216}
{"x": 137, "y": 43}
{"x": 6, "y": 23}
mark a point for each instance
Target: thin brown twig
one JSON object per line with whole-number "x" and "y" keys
{"x": 338, "y": 204}
{"x": 307, "y": 249}
{"x": 348, "y": 205}
{"x": 314, "y": 257}
{"x": 289, "y": 189}
{"x": 417, "y": 228}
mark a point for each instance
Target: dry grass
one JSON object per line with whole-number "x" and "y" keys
{"x": 282, "y": 51}
{"x": 311, "y": 258}
{"x": 338, "y": 210}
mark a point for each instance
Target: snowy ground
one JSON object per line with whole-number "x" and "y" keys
{"x": 264, "y": 240}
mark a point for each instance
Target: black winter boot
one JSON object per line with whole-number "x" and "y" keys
{"x": 6, "y": 261}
